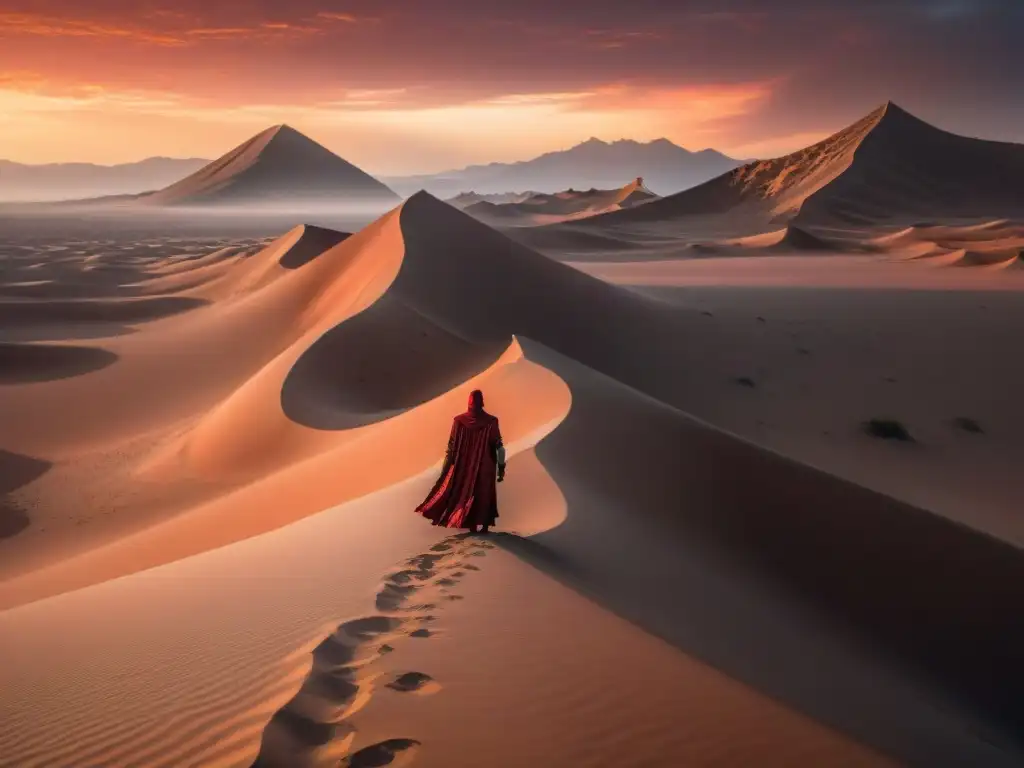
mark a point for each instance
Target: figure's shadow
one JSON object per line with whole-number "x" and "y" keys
{"x": 537, "y": 554}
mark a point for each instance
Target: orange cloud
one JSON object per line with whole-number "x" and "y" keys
{"x": 685, "y": 104}
{"x": 332, "y": 16}
{"x": 267, "y": 29}
{"x": 34, "y": 24}
{"x": 175, "y": 34}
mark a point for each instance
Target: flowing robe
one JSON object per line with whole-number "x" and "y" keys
{"x": 465, "y": 494}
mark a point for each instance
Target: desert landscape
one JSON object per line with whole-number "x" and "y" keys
{"x": 762, "y": 508}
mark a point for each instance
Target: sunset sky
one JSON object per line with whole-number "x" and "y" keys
{"x": 403, "y": 86}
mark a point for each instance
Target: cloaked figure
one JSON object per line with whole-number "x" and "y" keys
{"x": 465, "y": 495}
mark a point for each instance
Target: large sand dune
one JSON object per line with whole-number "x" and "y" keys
{"x": 211, "y": 452}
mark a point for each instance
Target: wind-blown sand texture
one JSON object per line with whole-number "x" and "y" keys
{"x": 212, "y": 449}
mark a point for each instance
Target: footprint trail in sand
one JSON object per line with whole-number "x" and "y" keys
{"x": 315, "y": 727}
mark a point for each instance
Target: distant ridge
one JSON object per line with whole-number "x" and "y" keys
{"x": 568, "y": 204}
{"x": 276, "y": 165}
{"x": 49, "y": 182}
{"x": 465, "y": 199}
{"x": 666, "y": 167}
{"x": 887, "y": 166}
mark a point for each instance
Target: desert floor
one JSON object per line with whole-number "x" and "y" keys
{"x": 213, "y": 435}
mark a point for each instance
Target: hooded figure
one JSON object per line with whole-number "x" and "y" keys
{"x": 465, "y": 495}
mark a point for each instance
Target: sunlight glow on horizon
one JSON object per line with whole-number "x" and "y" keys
{"x": 403, "y": 88}
{"x": 373, "y": 128}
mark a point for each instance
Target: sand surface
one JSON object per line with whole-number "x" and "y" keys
{"x": 212, "y": 446}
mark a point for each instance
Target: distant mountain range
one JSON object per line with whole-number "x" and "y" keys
{"x": 887, "y": 167}
{"x": 68, "y": 181}
{"x": 594, "y": 164}
{"x": 665, "y": 167}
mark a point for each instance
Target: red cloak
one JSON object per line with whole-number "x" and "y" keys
{"x": 465, "y": 494}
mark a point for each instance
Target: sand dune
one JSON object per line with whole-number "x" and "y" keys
{"x": 602, "y": 483}
{"x": 234, "y": 500}
{"x": 788, "y": 239}
{"x": 283, "y": 396}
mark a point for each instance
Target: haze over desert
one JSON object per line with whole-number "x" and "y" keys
{"x": 761, "y": 418}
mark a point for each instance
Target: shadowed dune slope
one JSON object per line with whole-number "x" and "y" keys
{"x": 835, "y": 582}
{"x": 16, "y": 470}
{"x": 24, "y": 363}
{"x": 489, "y": 287}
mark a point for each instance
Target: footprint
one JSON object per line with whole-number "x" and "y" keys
{"x": 391, "y": 752}
{"x": 414, "y": 682}
{"x": 332, "y": 691}
{"x": 403, "y": 576}
{"x": 368, "y": 627}
{"x": 424, "y": 563}
{"x": 342, "y": 648}
{"x": 306, "y": 731}
{"x": 315, "y": 720}
{"x": 391, "y": 596}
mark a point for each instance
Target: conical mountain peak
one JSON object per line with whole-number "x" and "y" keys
{"x": 279, "y": 164}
